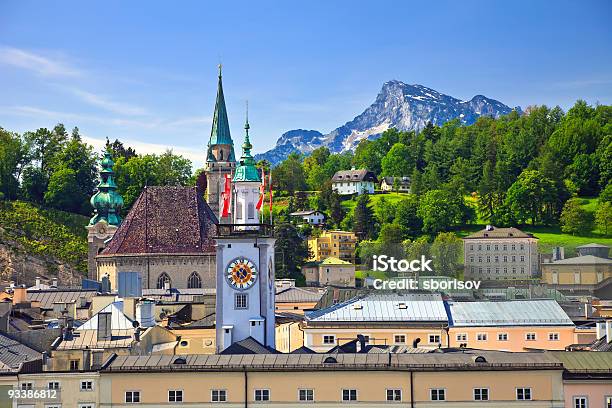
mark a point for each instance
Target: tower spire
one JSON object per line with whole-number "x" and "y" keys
{"x": 220, "y": 132}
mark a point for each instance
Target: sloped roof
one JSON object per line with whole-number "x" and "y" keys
{"x": 354, "y": 175}
{"x": 47, "y": 297}
{"x": 334, "y": 261}
{"x": 166, "y": 219}
{"x": 402, "y": 180}
{"x": 119, "y": 321}
{"x": 508, "y": 313}
{"x": 583, "y": 260}
{"x": 248, "y": 346}
{"x": 305, "y": 212}
{"x": 294, "y": 294}
{"x": 14, "y": 353}
{"x": 581, "y": 361}
{"x": 592, "y": 245}
{"x": 88, "y": 339}
{"x": 500, "y": 233}
{"x": 411, "y": 307}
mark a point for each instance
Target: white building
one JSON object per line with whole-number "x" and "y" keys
{"x": 389, "y": 184}
{"x": 312, "y": 217}
{"x": 349, "y": 182}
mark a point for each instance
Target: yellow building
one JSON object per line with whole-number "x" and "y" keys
{"x": 581, "y": 272}
{"x": 330, "y": 271}
{"x": 339, "y": 244}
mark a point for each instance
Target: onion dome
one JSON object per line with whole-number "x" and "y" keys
{"x": 107, "y": 203}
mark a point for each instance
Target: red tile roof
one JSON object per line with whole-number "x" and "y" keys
{"x": 166, "y": 219}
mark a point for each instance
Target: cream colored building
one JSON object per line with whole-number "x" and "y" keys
{"x": 500, "y": 254}
{"x": 330, "y": 271}
{"x": 339, "y": 244}
{"x": 581, "y": 272}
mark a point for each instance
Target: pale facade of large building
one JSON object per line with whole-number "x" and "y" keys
{"x": 500, "y": 254}
{"x": 349, "y": 182}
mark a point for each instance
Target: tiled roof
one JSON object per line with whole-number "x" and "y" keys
{"x": 495, "y": 232}
{"x": 248, "y": 346}
{"x": 508, "y": 313}
{"x": 298, "y": 295}
{"x": 14, "y": 353}
{"x": 166, "y": 220}
{"x": 413, "y": 307}
{"x": 583, "y": 260}
{"x": 354, "y": 175}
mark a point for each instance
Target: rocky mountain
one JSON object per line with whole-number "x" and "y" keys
{"x": 398, "y": 105}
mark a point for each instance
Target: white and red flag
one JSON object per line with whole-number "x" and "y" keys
{"x": 226, "y": 195}
{"x": 262, "y": 190}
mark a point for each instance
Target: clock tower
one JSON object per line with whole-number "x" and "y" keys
{"x": 245, "y": 263}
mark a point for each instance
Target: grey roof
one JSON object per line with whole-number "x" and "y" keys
{"x": 306, "y": 212}
{"x": 402, "y": 180}
{"x": 248, "y": 346}
{"x": 13, "y": 354}
{"x": 48, "y": 297}
{"x": 464, "y": 360}
{"x": 294, "y": 294}
{"x": 495, "y": 232}
{"x": 180, "y": 295}
{"x": 583, "y": 260}
{"x": 585, "y": 361}
{"x": 412, "y": 307}
{"x": 354, "y": 175}
{"x": 508, "y": 313}
{"x": 592, "y": 245}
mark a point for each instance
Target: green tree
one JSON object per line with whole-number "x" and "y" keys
{"x": 416, "y": 183}
{"x": 289, "y": 174}
{"x": 441, "y": 210}
{"x": 603, "y": 216}
{"x": 13, "y": 157}
{"x": 531, "y": 197}
{"x": 397, "y": 162}
{"x": 63, "y": 192}
{"x": 364, "y": 223}
{"x": 291, "y": 251}
{"x": 385, "y": 211}
{"x": 446, "y": 252}
{"x": 117, "y": 149}
{"x": 406, "y": 216}
{"x": 575, "y": 219}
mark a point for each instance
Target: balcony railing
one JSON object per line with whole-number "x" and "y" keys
{"x": 229, "y": 230}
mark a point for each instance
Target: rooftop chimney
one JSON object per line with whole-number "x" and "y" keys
{"x": 489, "y": 228}
{"x": 600, "y": 329}
{"x": 608, "y": 324}
{"x": 144, "y": 313}
{"x": 20, "y": 295}
{"x": 54, "y": 282}
{"x": 37, "y": 281}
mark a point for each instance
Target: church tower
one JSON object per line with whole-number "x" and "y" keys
{"x": 220, "y": 158}
{"x": 107, "y": 204}
{"x": 245, "y": 263}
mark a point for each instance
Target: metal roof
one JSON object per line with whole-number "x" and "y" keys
{"x": 416, "y": 307}
{"x": 582, "y": 260}
{"x": 508, "y": 313}
{"x": 14, "y": 353}
{"x": 298, "y": 295}
{"x": 88, "y": 339}
{"x": 48, "y": 297}
{"x": 581, "y": 361}
{"x": 464, "y": 360}
{"x": 119, "y": 321}
{"x": 495, "y": 232}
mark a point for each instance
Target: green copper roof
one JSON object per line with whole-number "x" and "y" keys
{"x": 220, "y": 133}
{"x": 246, "y": 171}
{"x": 107, "y": 203}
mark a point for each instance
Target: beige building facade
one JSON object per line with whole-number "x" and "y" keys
{"x": 582, "y": 272}
{"x": 500, "y": 254}
{"x": 330, "y": 271}
{"x": 338, "y": 244}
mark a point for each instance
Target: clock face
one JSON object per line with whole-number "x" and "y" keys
{"x": 241, "y": 273}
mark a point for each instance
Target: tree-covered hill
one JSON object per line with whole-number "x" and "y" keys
{"x": 36, "y": 241}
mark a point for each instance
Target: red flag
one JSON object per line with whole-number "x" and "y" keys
{"x": 270, "y": 187}
{"x": 262, "y": 190}
{"x": 226, "y": 196}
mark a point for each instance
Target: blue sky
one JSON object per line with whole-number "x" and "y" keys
{"x": 145, "y": 71}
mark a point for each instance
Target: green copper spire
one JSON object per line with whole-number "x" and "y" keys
{"x": 220, "y": 133}
{"x": 106, "y": 202}
{"x": 247, "y": 171}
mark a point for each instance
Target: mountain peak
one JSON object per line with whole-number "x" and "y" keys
{"x": 398, "y": 105}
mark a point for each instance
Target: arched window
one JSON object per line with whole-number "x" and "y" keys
{"x": 251, "y": 211}
{"x": 194, "y": 281}
{"x": 162, "y": 279}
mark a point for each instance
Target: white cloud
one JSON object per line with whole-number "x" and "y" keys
{"x": 109, "y": 105}
{"x": 35, "y": 62}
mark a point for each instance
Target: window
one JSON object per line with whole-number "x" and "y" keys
{"x": 86, "y": 385}
{"x": 194, "y": 281}
{"x": 175, "y": 395}
{"x": 132, "y": 397}
{"x": 580, "y": 402}
{"x": 306, "y": 395}
{"x": 26, "y": 386}
{"x": 553, "y": 336}
{"x": 329, "y": 339}
{"x": 399, "y": 339}
{"x": 218, "y": 395}
{"x": 74, "y": 365}
{"x": 394, "y": 395}
{"x": 238, "y": 210}
{"x": 530, "y": 336}
{"x": 461, "y": 337}
{"x": 522, "y": 258}
{"x": 481, "y": 337}
{"x": 88, "y": 405}
{"x": 53, "y": 385}
{"x": 262, "y": 395}
{"x": 523, "y": 394}
{"x": 241, "y": 301}
{"x": 438, "y": 394}
{"x": 251, "y": 211}
{"x": 162, "y": 280}
{"x": 608, "y": 403}
{"x": 434, "y": 339}
{"x": 349, "y": 395}
{"x": 481, "y": 394}
{"x": 502, "y": 336}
